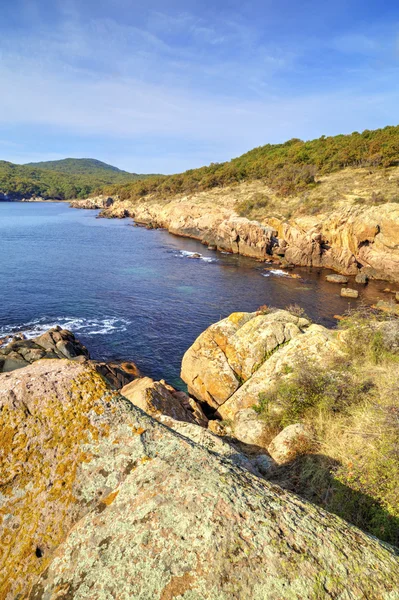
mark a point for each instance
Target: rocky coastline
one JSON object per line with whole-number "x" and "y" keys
{"x": 112, "y": 482}
{"x": 126, "y": 480}
{"x": 353, "y": 241}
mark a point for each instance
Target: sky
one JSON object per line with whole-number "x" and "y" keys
{"x": 164, "y": 86}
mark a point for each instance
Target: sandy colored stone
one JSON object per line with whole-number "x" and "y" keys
{"x": 349, "y": 293}
{"x": 290, "y": 442}
{"x": 316, "y": 343}
{"x": 249, "y": 428}
{"x": 340, "y": 239}
{"x": 335, "y": 278}
{"x": 230, "y": 351}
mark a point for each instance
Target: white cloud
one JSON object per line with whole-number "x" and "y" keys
{"x": 123, "y": 82}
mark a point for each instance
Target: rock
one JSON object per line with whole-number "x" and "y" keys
{"x": 263, "y": 463}
{"x": 195, "y": 255}
{"x": 337, "y": 279}
{"x": 340, "y": 240}
{"x": 316, "y": 343}
{"x": 292, "y": 441}
{"x": 217, "y": 427}
{"x": 361, "y": 278}
{"x": 12, "y": 361}
{"x": 61, "y": 343}
{"x": 54, "y": 343}
{"x": 388, "y": 307}
{"x": 250, "y": 429}
{"x": 155, "y": 399}
{"x": 397, "y": 296}
{"x": 241, "y": 357}
{"x": 95, "y": 202}
{"x": 230, "y": 351}
{"x": 349, "y": 293}
{"x": 117, "y": 374}
{"x": 216, "y": 444}
{"x": 100, "y": 500}
{"x": 189, "y": 403}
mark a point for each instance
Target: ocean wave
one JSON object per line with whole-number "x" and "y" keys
{"x": 198, "y": 255}
{"x": 277, "y": 272}
{"x": 88, "y": 327}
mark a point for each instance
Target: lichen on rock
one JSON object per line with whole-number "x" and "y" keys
{"x": 100, "y": 501}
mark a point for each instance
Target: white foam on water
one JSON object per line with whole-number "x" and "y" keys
{"x": 36, "y": 327}
{"x": 277, "y": 272}
{"x": 186, "y": 254}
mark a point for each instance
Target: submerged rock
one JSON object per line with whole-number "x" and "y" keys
{"x": 99, "y": 500}
{"x": 337, "y": 278}
{"x": 349, "y": 293}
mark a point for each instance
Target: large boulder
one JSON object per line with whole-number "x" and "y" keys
{"x": 99, "y": 500}
{"x": 250, "y": 351}
{"x": 229, "y": 352}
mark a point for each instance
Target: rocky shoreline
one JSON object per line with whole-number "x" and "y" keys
{"x": 109, "y": 486}
{"x": 352, "y": 241}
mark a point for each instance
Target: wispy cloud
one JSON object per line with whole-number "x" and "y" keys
{"x": 185, "y": 89}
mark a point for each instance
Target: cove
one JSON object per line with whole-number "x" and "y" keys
{"x": 137, "y": 294}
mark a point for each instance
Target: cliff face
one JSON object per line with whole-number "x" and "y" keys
{"x": 98, "y": 500}
{"x": 349, "y": 239}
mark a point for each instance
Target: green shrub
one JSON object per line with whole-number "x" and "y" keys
{"x": 248, "y": 206}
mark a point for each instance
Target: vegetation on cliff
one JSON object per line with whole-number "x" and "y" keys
{"x": 352, "y": 406}
{"x": 61, "y": 180}
{"x": 287, "y": 168}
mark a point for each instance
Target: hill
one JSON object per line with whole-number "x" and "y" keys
{"x": 61, "y": 180}
{"x": 287, "y": 169}
{"x": 76, "y": 165}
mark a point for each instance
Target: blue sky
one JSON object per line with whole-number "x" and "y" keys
{"x": 155, "y": 86}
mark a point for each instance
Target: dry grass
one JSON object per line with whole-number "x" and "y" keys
{"x": 353, "y": 470}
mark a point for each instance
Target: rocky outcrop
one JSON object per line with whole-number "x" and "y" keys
{"x": 55, "y": 343}
{"x": 240, "y": 358}
{"x": 99, "y": 500}
{"x": 350, "y": 240}
{"x": 95, "y": 202}
{"x": 61, "y": 343}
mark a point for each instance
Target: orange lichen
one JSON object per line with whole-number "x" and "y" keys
{"x": 109, "y": 499}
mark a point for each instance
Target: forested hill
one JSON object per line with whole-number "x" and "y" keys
{"x": 287, "y": 168}
{"x": 60, "y": 180}
{"x": 76, "y": 165}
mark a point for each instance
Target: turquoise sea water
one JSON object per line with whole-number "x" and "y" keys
{"x": 130, "y": 293}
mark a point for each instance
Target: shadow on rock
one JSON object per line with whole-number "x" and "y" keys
{"x": 314, "y": 477}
